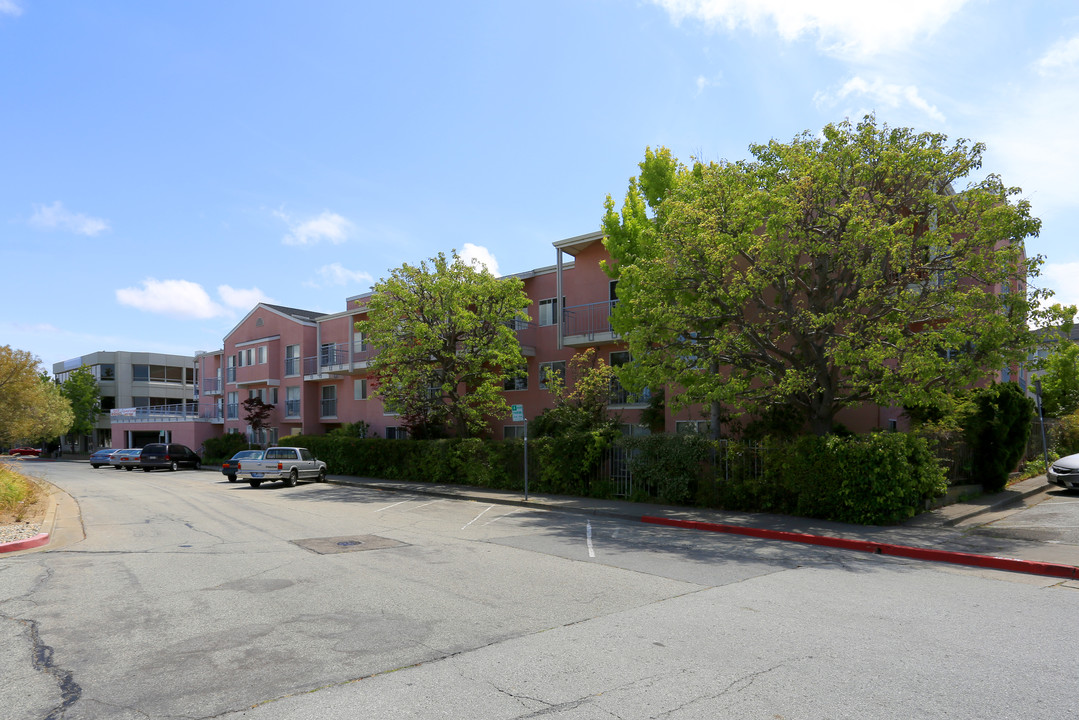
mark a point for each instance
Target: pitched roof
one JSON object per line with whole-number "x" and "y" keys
{"x": 304, "y": 315}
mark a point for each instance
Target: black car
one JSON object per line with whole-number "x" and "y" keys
{"x": 171, "y": 456}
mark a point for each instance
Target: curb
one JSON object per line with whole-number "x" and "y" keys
{"x": 27, "y": 544}
{"x": 1031, "y": 567}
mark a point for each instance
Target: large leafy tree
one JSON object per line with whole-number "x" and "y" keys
{"x": 445, "y": 339}
{"x": 31, "y": 406}
{"x": 82, "y": 391}
{"x": 838, "y": 268}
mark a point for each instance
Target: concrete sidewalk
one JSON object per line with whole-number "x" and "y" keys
{"x": 944, "y": 529}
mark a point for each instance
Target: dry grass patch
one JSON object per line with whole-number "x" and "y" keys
{"x": 21, "y": 498}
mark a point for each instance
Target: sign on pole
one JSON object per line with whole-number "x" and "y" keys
{"x": 518, "y": 412}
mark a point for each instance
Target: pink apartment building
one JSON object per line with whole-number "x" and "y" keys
{"x": 313, "y": 367}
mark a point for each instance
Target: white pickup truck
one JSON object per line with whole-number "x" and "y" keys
{"x": 289, "y": 464}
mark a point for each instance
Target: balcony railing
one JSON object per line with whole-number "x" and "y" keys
{"x": 292, "y": 366}
{"x": 211, "y": 386}
{"x": 167, "y": 413}
{"x": 292, "y": 408}
{"x": 336, "y": 357}
{"x": 588, "y": 319}
{"x": 526, "y": 332}
{"x": 230, "y": 374}
{"x": 620, "y": 396}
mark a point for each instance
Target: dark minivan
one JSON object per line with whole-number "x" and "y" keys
{"x": 172, "y": 456}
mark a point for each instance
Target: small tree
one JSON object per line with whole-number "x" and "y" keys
{"x": 256, "y": 413}
{"x": 82, "y": 391}
{"x": 580, "y": 398}
{"x": 1060, "y": 383}
{"x": 996, "y": 423}
{"x": 445, "y": 337}
{"x": 31, "y": 405}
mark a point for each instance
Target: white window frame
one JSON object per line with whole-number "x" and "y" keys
{"x": 547, "y": 312}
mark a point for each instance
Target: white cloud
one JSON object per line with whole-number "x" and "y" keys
{"x": 175, "y": 298}
{"x": 336, "y": 274}
{"x": 327, "y": 226}
{"x": 480, "y": 256}
{"x": 10, "y": 7}
{"x": 57, "y": 217}
{"x": 1062, "y": 57}
{"x": 844, "y": 28}
{"x": 880, "y": 94}
{"x": 242, "y": 299}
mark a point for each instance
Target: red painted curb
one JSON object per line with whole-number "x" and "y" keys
{"x": 1030, "y": 567}
{"x": 36, "y": 541}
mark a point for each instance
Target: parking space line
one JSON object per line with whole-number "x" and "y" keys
{"x": 588, "y": 534}
{"x": 390, "y": 506}
{"x": 476, "y": 518}
{"x": 501, "y": 516}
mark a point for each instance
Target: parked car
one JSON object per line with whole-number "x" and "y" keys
{"x": 230, "y": 466}
{"x": 25, "y": 451}
{"x": 289, "y": 464}
{"x": 171, "y": 456}
{"x": 102, "y": 457}
{"x": 127, "y": 459}
{"x": 1065, "y": 472}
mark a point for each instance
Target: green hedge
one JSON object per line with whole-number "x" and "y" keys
{"x": 563, "y": 465}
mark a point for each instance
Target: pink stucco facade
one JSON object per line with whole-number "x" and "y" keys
{"x": 313, "y": 367}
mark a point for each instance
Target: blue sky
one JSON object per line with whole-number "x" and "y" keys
{"x": 167, "y": 165}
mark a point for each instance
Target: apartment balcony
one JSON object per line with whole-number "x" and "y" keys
{"x": 211, "y": 386}
{"x": 335, "y": 360}
{"x": 620, "y": 397}
{"x": 185, "y": 412}
{"x": 526, "y": 336}
{"x": 588, "y": 325}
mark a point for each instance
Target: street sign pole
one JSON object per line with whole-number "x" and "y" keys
{"x": 518, "y": 414}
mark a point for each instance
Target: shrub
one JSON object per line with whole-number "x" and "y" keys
{"x": 669, "y": 467}
{"x": 996, "y": 423}
{"x": 871, "y": 479}
{"x": 1065, "y": 435}
{"x": 217, "y": 450}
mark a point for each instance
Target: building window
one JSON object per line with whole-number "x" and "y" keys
{"x": 548, "y": 311}
{"x": 273, "y": 396}
{"x": 547, "y": 369}
{"x": 359, "y": 343}
{"x": 517, "y": 381}
{"x": 232, "y": 406}
{"x": 619, "y": 395}
{"x": 396, "y": 433}
{"x": 262, "y": 355}
{"x": 693, "y": 427}
{"x": 513, "y": 432}
{"x": 329, "y": 401}
{"x": 249, "y": 356}
{"x": 140, "y": 373}
{"x": 359, "y": 389}
{"x": 292, "y": 401}
{"x": 106, "y": 371}
{"x": 292, "y": 360}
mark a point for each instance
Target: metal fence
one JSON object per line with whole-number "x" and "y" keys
{"x": 730, "y": 460}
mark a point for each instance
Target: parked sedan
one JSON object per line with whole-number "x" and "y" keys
{"x": 1065, "y": 472}
{"x": 171, "y": 456}
{"x": 230, "y": 466}
{"x": 24, "y": 451}
{"x": 102, "y": 457}
{"x": 127, "y": 459}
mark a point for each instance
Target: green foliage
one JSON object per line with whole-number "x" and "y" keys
{"x": 445, "y": 339}
{"x": 996, "y": 424}
{"x": 31, "y": 405}
{"x": 83, "y": 393}
{"x": 218, "y": 449}
{"x": 18, "y": 493}
{"x": 359, "y": 429}
{"x": 1065, "y": 435}
{"x": 829, "y": 271}
{"x": 567, "y": 463}
{"x": 872, "y": 480}
{"x": 669, "y": 466}
{"x": 580, "y": 399}
{"x": 1060, "y": 383}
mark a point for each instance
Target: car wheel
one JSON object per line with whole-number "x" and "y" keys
{"x": 146, "y": 469}
{"x": 322, "y": 474}
{"x": 95, "y": 467}
{"x": 254, "y": 483}
{"x": 198, "y": 465}
{"x": 293, "y": 476}
{"x": 174, "y": 466}
{"x": 128, "y": 468}
{"x": 232, "y": 478}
